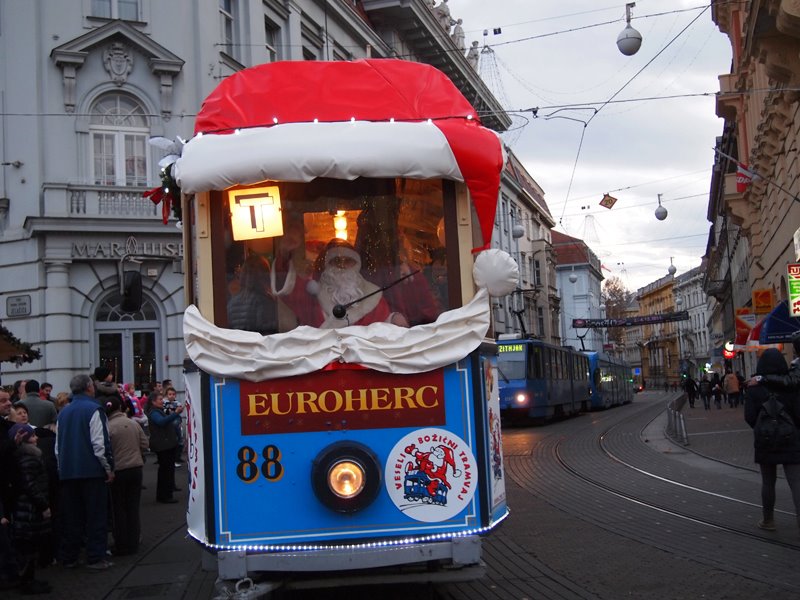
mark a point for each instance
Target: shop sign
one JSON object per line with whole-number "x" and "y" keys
{"x": 131, "y": 246}
{"x": 763, "y": 301}
{"x": 793, "y": 271}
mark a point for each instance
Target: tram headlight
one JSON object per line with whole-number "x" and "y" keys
{"x": 521, "y": 399}
{"x": 346, "y": 476}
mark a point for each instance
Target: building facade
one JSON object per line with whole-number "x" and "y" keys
{"x": 580, "y": 280}
{"x": 85, "y": 85}
{"x": 694, "y": 342}
{"x": 523, "y": 229}
{"x": 756, "y": 223}
{"x": 659, "y": 346}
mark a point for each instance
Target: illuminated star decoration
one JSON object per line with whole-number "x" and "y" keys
{"x": 169, "y": 192}
{"x": 608, "y": 201}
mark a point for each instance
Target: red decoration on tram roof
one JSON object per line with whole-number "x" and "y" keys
{"x": 365, "y": 90}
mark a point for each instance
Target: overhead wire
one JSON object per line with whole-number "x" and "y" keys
{"x": 615, "y": 94}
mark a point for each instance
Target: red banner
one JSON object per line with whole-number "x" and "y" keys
{"x": 342, "y": 399}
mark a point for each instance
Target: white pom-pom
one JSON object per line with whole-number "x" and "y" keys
{"x": 312, "y": 287}
{"x": 496, "y": 271}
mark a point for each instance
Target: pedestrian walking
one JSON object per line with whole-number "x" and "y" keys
{"x": 705, "y": 391}
{"x": 731, "y": 387}
{"x": 787, "y": 454}
{"x": 716, "y": 390}
{"x": 85, "y": 467}
{"x": 690, "y": 385}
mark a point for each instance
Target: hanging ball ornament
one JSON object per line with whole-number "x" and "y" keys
{"x": 629, "y": 41}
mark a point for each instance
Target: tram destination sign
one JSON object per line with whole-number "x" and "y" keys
{"x": 631, "y": 321}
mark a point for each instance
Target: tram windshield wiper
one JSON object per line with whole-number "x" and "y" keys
{"x": 340, "y": 310}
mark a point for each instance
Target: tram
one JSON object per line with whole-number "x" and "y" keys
{"x": 540, "y": 381}
{"x": 609, "y": 380}
{"x": 343, "y": 410}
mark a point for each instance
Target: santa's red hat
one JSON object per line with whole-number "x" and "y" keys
{"x": 298, "y": 120}
{"x": 449, "y": 459}
{"x": 334, "y": 248}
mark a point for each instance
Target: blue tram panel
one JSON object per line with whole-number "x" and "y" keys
{"x": 433, "y": 470}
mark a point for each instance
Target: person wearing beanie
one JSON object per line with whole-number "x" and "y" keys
{"x": 772, "y": 365}
{"x": 31, "y": 513}
{"x": 103, "y": 374}
{"x": 41, "y": 413}
{"x": 337, "y": 295}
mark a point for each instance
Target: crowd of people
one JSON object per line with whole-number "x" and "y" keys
{"x": 721, "y": 390}
{"x": 71, "y": 471}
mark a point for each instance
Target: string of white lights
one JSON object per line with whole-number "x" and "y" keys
{"x": 435, "y": 537}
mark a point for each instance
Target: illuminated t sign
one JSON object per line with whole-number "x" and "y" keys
{"x": 255, "y": 213}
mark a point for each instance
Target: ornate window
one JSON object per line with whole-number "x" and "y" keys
{"x": 119, "y": 131}
{"x": 109, "y": 311}
{"x": 127, "y": 10}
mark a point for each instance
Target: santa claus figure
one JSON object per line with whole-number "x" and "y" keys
{"x": 435, "y": 464}
{"x": 337, "y": 295}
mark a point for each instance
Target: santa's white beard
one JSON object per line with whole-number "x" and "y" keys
{"x": 342, "y": 285}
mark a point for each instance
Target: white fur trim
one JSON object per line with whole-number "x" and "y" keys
{"x": 380, "y": 346}
{"x": 312, "y": 287}
{"x": 305, "y": 151}
{"x": 496, "y": 271}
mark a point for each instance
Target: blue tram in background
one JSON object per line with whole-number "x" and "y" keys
{"x": 609, "y": 381}
{"x": 542, "y": 381}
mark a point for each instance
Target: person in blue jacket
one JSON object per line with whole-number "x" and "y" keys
{"x": 85, "y": 468}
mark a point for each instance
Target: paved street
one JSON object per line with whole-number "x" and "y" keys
{"x": 642, "y": 518}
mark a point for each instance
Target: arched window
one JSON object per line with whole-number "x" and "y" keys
{"x": 119, "y": 130}
{"x": 109, "y": 311}
{"x": 128, "y": 343}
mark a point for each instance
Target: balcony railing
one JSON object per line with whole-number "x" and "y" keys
{"x": 98, "y": 201}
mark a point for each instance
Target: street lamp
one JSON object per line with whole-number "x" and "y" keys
{"x": 629, "y": 40}
{"x": 661, "y": 212}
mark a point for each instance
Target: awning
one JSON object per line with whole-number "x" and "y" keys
{"x": 778, "y": 325}
{"x": 15, "y": 350}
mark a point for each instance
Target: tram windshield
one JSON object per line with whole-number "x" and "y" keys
{"x": 343, "y": 253}
{"x": 512, "y": 364}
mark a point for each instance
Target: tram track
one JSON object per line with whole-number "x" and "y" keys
{"x": 663, "y": 503}
{"x": 661, "y": 507}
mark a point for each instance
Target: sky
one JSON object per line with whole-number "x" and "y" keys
{"x": 558, "y": 56}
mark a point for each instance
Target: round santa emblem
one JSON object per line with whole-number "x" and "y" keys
{"x": 431, "y": 475}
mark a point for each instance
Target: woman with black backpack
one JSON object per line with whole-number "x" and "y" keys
{"x": 773, "y": 410}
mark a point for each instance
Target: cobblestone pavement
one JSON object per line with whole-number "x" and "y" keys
{"x": 524, "y": 554}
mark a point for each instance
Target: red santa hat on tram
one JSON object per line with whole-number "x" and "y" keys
{"x": 449, "y": 459}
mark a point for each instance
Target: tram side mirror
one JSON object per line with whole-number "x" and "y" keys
{"x": 131, "y": 291}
